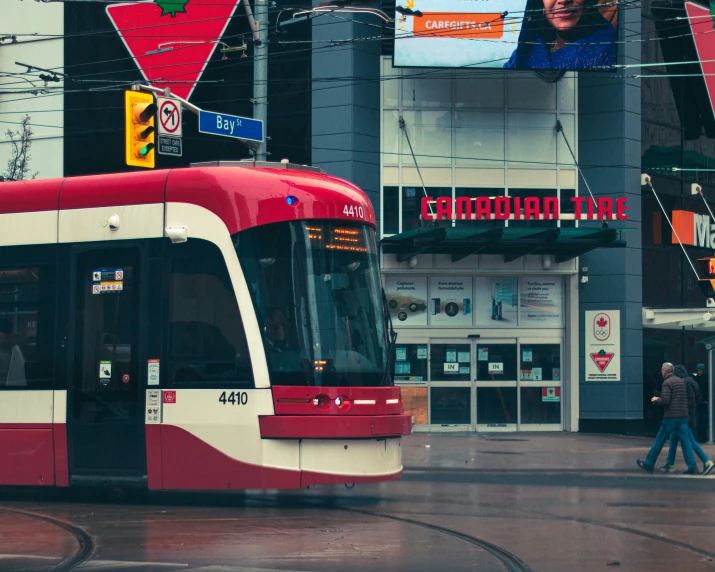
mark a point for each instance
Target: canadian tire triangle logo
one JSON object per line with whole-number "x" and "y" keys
{"x": 602, "y": 359}
{"x": 171, "y": 41}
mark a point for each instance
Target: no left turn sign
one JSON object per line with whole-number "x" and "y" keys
{"x": 169, "y": 117}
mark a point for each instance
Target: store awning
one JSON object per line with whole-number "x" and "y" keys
{"x": 698, "y": 319}
{"x": 513, "y": 243}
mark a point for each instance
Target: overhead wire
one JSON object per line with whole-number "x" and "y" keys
{"x": 337, "y": 42}
{"x": 282, "y": 54}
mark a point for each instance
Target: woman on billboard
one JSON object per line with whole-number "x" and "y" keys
{"x": 564, "y": 34}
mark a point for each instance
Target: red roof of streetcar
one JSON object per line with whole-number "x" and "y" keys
{"x": 243, "y": 197}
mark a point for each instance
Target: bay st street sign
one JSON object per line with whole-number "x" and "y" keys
{"x": 230, "y": 126}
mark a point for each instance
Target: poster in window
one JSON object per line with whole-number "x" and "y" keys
{"x": 496, "y": 301}
{"x": 450, "y": 301}
{"x": 407, "y": 300}
{"x": 540, "y": 301}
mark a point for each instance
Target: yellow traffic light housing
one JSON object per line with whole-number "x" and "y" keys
{"x": 706, "y": 269}
{"x": 139, "y": 144}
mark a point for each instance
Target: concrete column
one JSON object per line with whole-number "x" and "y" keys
{"x": 610, "y": 150}
{"x": 346, "y": 111}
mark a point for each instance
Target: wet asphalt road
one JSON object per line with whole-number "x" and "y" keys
{"x": 494, "y": 513}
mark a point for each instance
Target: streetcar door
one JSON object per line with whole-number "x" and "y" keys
{"x": 106, "y": 429}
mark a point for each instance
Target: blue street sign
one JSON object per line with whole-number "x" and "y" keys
{"x": 230, "y": 126}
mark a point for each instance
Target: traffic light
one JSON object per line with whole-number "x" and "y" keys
{"x": 139, "y": 111}
{"x": 706, "y": 270}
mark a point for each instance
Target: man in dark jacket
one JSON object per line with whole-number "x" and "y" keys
{"x": 674, "y": 398}
{"x": 694, "y": 401}
{"x": 703, "y": 416}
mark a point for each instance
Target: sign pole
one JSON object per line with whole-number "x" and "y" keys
{"x": 710, "y": 400}
{"x": 260, "y": 75}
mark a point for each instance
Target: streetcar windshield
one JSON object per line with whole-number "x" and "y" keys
{"x": 316, "y": 291}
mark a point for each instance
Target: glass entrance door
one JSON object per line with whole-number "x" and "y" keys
{"x": 105, "y": 406}
{"x": 451, "y": 391}
{"x": 495, "y": 380}
{"x": 483, "y": 384}
{"x": 540, "y": 384}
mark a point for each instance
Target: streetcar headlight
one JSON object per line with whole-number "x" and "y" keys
{"x": 342, "y": 402}
{"x": 322, "y": 401}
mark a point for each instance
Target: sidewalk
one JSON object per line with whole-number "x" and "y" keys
{"x": 532, "y": 452}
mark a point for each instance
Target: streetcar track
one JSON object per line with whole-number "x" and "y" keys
{"x": 510, "y": 561}
{"x": 85, "y": 544}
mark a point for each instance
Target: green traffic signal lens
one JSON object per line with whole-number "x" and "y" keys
{"x": 145, "y": 150}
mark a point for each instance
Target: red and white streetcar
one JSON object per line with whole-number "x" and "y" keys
{"x": 214, "y": 327}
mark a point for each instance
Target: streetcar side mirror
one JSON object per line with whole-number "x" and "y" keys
{"x": 177, "y": 234}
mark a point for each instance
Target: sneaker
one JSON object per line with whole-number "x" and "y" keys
{"x": 707, "y": 467}
{"x": 666, "y": 468}
{"x": 645, "y": 467}
{"x": 692, "y": 471}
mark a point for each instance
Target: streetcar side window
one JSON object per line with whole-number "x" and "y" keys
{"x": 27, "y": 317}
{"x": 207, "y": 343}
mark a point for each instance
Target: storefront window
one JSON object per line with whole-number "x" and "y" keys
{"x": 412, "y": 206}
{"x": 451, "y": 405}
{"x": 567, "y": 206}
{"x": 496, "y": 405}
{"x": 390, "y": 210}
{"x": 473, "y": 194}
{"x": 540, "y": 405}
{"x": 450, "y": 362}
{"x": 540, "y": 362}
{"x": 411, "y": 362}
{"x": 531, "y": 223}
{"x": 411, "y": 210}
{"x": 496, "y": 362}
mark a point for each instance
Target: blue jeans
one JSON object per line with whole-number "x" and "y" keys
{"x": 667, "y": 427}
{"x": 697, "y": 449}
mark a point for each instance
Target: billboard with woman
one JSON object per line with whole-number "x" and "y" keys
{"x": 512, "y": 34}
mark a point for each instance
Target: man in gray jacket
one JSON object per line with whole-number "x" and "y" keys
{"x": 674, "y": 398}
{"x": 695, "y": 398}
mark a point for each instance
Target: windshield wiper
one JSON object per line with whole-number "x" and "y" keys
{"x": 392, "y": 341}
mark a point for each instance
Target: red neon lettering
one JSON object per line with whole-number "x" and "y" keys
{"x": 551, "y": 208}
{"x": 517, "y": 208}
{"x": 426, "y": 212}
{"x": 605, "y": 208}
{"x": 577, "y": 206}
{"x": 621, "y": 208}
{"x": 463, "y": 208}
{"x": 502, "y": 208}
{"x": 444, "y": 208}
{"x": 531, "y": 208}
{"x": 590, "y": 210}
{"x": 483, "y": 208}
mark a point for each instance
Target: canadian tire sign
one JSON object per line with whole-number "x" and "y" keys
{"x": 603, "y": 345}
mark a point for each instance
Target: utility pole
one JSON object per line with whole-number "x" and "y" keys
{"x": 259, "y": 27}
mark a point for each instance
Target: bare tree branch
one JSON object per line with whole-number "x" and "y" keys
{"x": 18, "y": 166}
